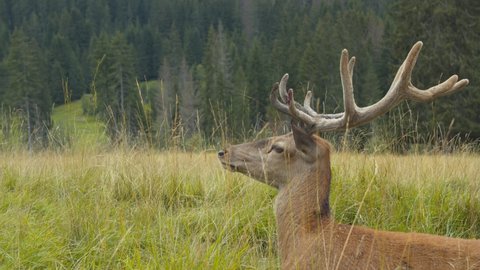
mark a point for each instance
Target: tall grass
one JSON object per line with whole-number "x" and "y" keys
{"x": 92, "y": 206}
{"x": 131, "y": 210}
{"x": 128, "y": 209}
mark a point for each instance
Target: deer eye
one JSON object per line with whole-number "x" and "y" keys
{"x": 278, "y": 149}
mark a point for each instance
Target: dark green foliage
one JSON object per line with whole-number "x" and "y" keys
{"x": 217, "y": 59}
{"x": 257, "y": 77}
{"x": 67, "y": 80}
{"x": 117, "y": 97}
{"x": 26, "y": 89}
{"x": 217, "y": 97}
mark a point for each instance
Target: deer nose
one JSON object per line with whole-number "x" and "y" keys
{"x": 221, "y": 153}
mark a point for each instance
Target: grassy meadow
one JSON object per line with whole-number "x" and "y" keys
{"x": 80, "y": 130}
{"x": 131, "y": 209}
{"x": 88, "y": 206}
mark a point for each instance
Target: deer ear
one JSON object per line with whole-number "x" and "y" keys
{"x": 303, "y": 140}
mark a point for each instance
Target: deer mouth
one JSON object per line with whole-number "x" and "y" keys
{"x": 234, "y": 162}
{"x": 234, "y": 166}
{"x": 230, "y": 166}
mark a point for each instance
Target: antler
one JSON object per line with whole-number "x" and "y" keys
{"x": 401, "y": 89}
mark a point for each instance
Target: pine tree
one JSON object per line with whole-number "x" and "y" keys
{"x": 217, "y": 91}
{"x": 98, "y": 16}
{"x": 100, "y": 64}
{"x": 4, "y": 36}
{"x": 67, "y": 80}
{"x": 258, "y": 84}
{"x": 244, "y": 111}
{"x": 123, "y": 84}
{"x": 117, "y": 97}
{"x": 188, "y": 99}
{"x": 26, "y": 89}
{"x": 369, "y": 90}
{"x": 147, "y": 50}
{"x": 164, "y": 101}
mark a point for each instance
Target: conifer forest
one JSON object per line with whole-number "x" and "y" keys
{"x": 154, "y": 70}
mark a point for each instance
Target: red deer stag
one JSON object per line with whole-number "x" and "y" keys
{"x": 298, "y": 165}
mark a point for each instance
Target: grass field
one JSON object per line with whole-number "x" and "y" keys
{"x": 82, "y": 131}
{"x": 88, "y": 209}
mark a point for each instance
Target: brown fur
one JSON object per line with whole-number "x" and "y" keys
{"x": 308, "y": 237}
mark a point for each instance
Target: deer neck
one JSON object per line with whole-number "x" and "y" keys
{"x": 302, "y": 206}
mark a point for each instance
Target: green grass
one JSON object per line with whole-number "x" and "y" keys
{"x": 172, "y": 210}
{"x": 71, "y": 126}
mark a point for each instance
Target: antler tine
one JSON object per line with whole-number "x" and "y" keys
{"x": 351, "y": 64}
{"x": 410, "y": 62}
{"x": 346, "y": 74}
{"x": 283, "y": 88}
{"x": 448, "y": 87}
{"x": 307, "y": 103}
{"x": 280, "y": 97}
{"x": 296, "y": 113}
{"x": 274, "y": 99}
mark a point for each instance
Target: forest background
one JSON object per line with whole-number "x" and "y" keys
{"x": 190, "y": 72}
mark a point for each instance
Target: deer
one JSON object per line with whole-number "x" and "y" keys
{"x": 298, "y": 165}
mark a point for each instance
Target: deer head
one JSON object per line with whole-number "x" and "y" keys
{"x": 298, "y": 164}
{"x": 277, "y": 160}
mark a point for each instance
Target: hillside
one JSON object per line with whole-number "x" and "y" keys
{"x": 75, "y": 128}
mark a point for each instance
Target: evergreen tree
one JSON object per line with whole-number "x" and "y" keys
{"x": 319, "y": 65}
{"x": 98, "y": 15}
{"x": 175, "y": 102}
{"x": 369, "y": 90}
{"x": 217, "y": 93}
{"x": 67, "y": 77}
{"x": 188, "y": 99}
{"x": 148, "y": 49}
{"x": 173, "y": 46}
{"x": 117, "y": 97}
{"x": 123, "y": 78}
{"x": 164, "y": 102}
{"x": 100, "y": 64}
{"x": 4, "y": 36}
{"x": 258, "y": 85}
{"x": 26, "y": 89}
{"x": 243, "y": 105}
